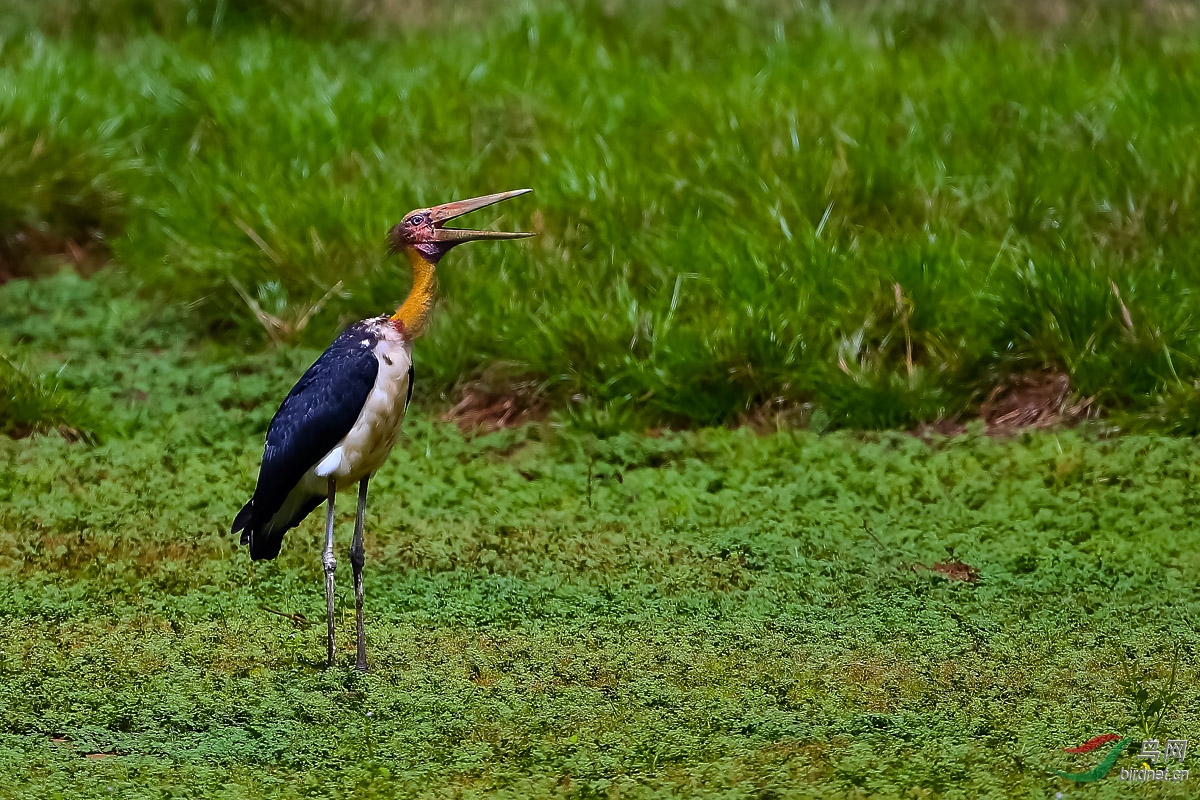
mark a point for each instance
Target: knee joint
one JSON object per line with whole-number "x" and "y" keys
{"x": 357, "y": 558}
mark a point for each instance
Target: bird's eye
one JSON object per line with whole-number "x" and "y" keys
{"x": 419, "y": 219}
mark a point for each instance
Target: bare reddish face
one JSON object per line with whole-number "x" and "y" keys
{"x": 416, "y": 228}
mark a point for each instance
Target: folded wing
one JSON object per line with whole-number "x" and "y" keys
{"x": 317, "y": 413}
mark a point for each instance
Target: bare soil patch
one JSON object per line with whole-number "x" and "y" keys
{"x": 26, "y": 253}
{"x": 484, "y": 407}
{"x": 1032, "y": 400}
{"x": 956, "y": 571}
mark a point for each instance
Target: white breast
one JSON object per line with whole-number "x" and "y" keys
{"x": 364, "y": 449}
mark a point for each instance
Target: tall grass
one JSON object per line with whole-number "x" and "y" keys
{"x": 32, "y": 403}
{"x": 882, "y": 214}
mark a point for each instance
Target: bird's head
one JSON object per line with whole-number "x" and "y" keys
{"x": 421, "y": 230}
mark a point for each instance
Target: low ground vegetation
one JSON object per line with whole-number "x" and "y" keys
{"x": 568, "y": 609}
{"x": 838, "y": 237}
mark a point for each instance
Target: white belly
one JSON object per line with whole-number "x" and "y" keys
{"x": 364, "y": 449}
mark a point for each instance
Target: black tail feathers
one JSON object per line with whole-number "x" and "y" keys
{"x": 262, "y": 545}
{"x": 242, "y": 520}
{"x": 265, "y": 536}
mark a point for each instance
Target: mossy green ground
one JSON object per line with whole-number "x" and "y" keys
{"x": 731, "y": 616}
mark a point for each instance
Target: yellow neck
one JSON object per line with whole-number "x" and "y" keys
{"x": 414, "y": 312}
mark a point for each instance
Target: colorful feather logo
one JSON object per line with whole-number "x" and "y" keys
{"x": 1101, "y": 769}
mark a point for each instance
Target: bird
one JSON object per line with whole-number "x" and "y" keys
{"x": 340, "y": 421}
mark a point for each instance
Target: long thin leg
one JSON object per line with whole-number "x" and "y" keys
{"x": 357, "y": 559}
{"x": 330, "y": 564}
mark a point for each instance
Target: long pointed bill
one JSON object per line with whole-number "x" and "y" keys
{"x": 448, "y": 211}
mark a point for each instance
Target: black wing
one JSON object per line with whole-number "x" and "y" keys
{"x": 318, "y": 411}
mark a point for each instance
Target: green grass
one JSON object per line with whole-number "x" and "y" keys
{"x": 863, "y": 219}
{"x": 729, "y": 200}
{"x": 32, "y": 403}
{"x": 569, "y": 610}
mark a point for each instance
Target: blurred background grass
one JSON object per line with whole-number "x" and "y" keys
{"x": 870, "y": 215}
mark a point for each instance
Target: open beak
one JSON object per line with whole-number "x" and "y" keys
{"x": 448, "y": 211}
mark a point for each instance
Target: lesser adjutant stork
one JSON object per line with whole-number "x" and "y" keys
{"x": 337, "y": 425}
